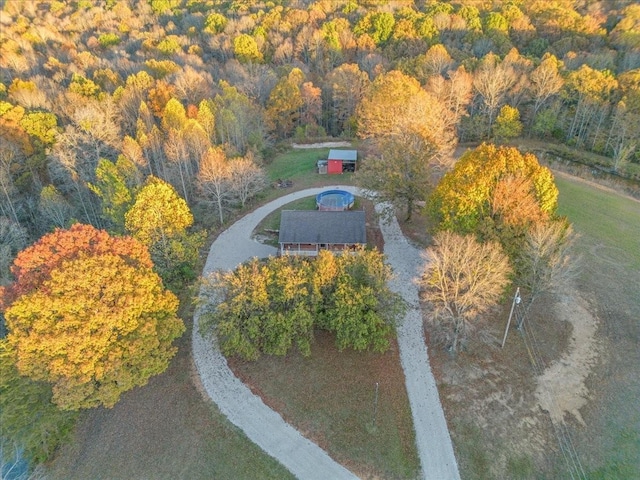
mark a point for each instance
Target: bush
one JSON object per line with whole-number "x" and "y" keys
{"x": 268, "y": 307}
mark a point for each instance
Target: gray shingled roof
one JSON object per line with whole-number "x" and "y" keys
{"x": 344, "y": 155}
{"x": 313, "y": 226}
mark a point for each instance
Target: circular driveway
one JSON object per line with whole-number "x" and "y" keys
{"x": 265, "y": 427}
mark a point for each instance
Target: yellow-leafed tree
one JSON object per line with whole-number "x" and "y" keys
{"x": 476, "y": 194}
{"x": 159, "y": 218}
{"x": 95, "y": 323}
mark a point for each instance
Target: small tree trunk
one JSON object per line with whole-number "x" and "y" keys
{"x": 409, "y": 209}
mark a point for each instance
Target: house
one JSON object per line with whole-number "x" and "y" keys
{"x": 306, "y": 232}
{"x": 339, "y": 161}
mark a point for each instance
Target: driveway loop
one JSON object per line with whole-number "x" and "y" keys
{"x": 265, "y": 427}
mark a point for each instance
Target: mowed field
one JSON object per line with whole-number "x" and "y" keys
{"x": 609, "y": 228}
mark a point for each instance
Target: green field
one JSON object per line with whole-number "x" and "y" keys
{"x": 296, "y": 163}
{"x": 602, "y": 217}
{"x": 299, "y": 166}
{"x": 609, "y": 229}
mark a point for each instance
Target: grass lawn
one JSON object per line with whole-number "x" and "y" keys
{"x": 603, "y": 217}
{"x": 299, "y": 166}
{"x": 330, "y": 398}
{"x": 164, "y": 430}
{"x": 609, "y": 225}
{"x": 296, "y": 163}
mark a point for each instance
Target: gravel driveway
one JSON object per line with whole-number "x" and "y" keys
{"x": 266, "y": 427}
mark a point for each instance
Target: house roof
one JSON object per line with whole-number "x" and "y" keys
{"x": 313, "y": 226}
{"x": 345, "y": 155}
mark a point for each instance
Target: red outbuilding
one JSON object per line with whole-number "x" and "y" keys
{"x": 340, "y": 161}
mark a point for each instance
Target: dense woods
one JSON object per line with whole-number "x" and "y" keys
{"x": 158, "y": 83}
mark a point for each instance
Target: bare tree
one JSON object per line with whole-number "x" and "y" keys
{"x": 71, "y": 166}
{"x": 463, "y": 279}
{"x": 545, "y": 82}
{"x": 193, "y": 86}
{"x": 13, "y": 238}
{"x": 176, "y": 150}
{"x": 8, "y": 207}
{"x": 54, "y": 208}
{"x": 247, "y": 178}
{"x": 623, "y": 136}
{"x": 492, "y": 81}
{"x": 436, "y": 61}
{"x": 214, "y": 180}
{"x": 546, "y": 262}
{"x": 455, "y": 92}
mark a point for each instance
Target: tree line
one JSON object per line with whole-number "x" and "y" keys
{"x": 161, "y": 82}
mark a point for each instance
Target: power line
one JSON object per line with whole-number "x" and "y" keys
{"x": 561, "y": 431}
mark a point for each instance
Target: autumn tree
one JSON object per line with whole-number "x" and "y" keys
{"x": 546, "y": 82}
{"x": 396, "y": 104}
{"x": 464, "y": 202}
{"x": 413, "y": 133}
{"x": 492, "y": 82}
{"x": 400, "y": 173}
{"x": 241, "y": 304}
{"x": 246, "y": 49}
{"x": 238, "y": 121}
{"x": 361, "y": 310}
{"x": 87, "y": 314}
{"x": 347, "y": 85}
{"x": 508, "y": 124}
{"x": 115, "y": 185}
{"x": 284, "y": 104}
{"x": 267, "y": 307}
{"x": 589, "y": 93}
{"x": 160, "y": 219}
{"x": 463, "y": 279}
{"x": 436, "y": 61}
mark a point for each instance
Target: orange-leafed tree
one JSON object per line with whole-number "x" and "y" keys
{"x": 33, "y": 266}
{"x": 480, "y": 191}
{"x": 88, "y": 315}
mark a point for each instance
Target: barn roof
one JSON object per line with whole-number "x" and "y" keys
{"x": 313, "y": 226}
{"x": 344, "y": 155}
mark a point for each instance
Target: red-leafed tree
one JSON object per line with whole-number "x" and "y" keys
{"x": 34, "y": 264}
{"x": 88, "y": 315}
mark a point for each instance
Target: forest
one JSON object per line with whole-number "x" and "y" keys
{"x": 131, "y": 116}
{"x": 153, "y": 85}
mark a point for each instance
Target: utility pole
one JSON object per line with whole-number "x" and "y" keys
{"x": 516, "y": 300}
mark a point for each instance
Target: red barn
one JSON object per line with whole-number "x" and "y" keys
{"x": 340, "y": 161}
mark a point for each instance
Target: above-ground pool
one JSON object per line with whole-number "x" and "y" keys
{"x": 334, "y": 200}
